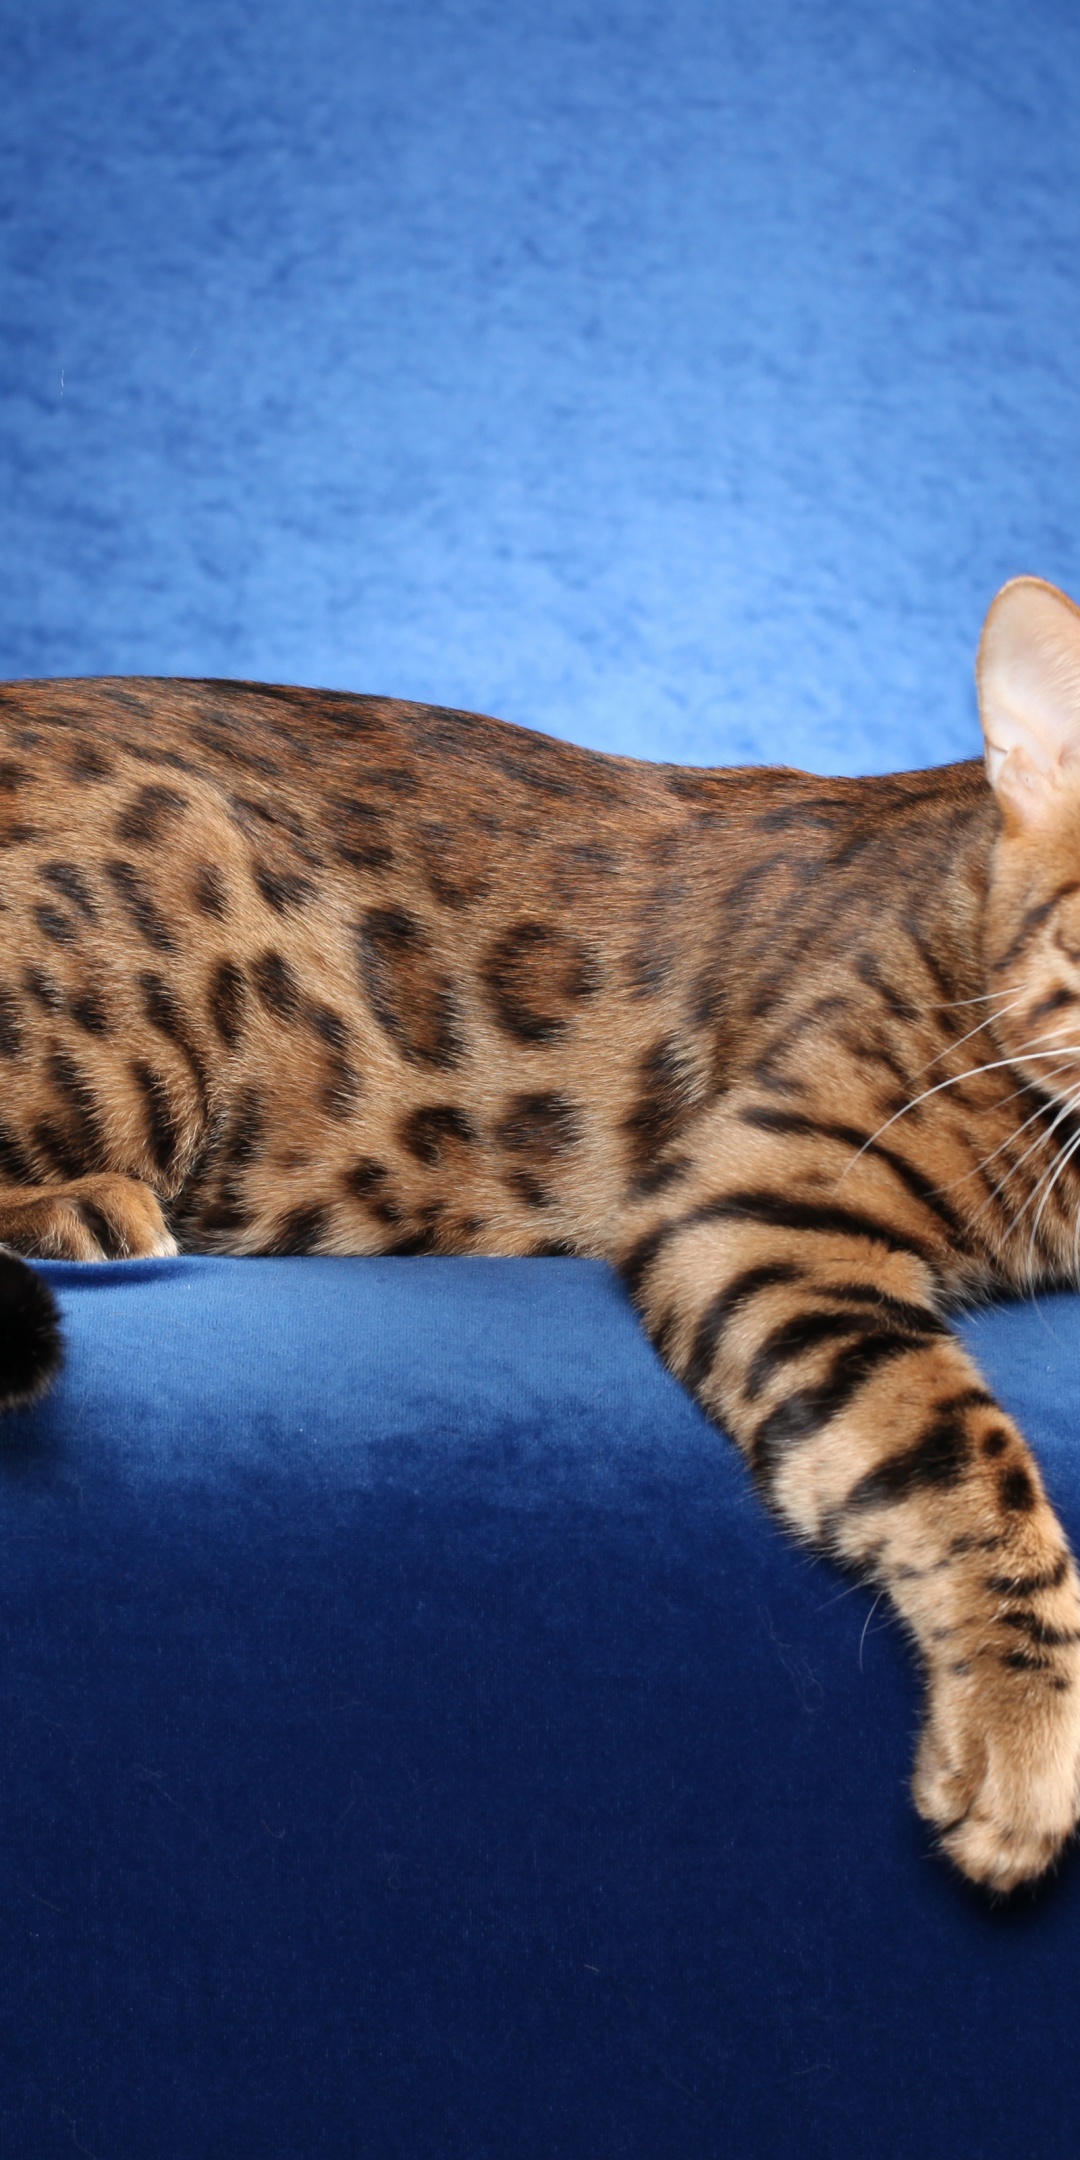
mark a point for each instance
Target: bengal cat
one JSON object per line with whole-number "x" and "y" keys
{"x": 286, "y": 972}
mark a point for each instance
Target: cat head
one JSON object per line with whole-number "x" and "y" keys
{"x": 1028, "y": 674}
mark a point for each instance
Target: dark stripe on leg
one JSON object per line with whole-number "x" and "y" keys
{"x": 766, "y": 1119}
{"x": 939, "y": 1457}
{"x": 801, "y": 1416}
{"x": 804, "y": 1331}
{"x": 1038, "y": 1631}
{"x": 903, "y": 1311}
{"x": 724, "y": 1307}
{"x": 1028, "y": 1585}
{"x": 772, "y": 1211}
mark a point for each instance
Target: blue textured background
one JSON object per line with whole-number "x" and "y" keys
{"x": 677, "y": 376}
{"x": 415, "y": 1744}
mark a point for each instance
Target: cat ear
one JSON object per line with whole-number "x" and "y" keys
{"x": 1028, "y": 673}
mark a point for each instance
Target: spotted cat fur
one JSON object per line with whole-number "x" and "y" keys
{"x": 289, "y": 972}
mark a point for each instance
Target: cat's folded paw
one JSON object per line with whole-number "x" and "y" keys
{"x": 998, "y": 1768}
{"x": 125, "y": 1219}
{"x": 103, "y": 1217}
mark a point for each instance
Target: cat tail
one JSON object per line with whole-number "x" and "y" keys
{"x": 31, "y": 1347}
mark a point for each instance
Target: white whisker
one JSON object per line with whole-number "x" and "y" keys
{"x": 1050, "y": 1175}
{"x": 997, "y": 1186}
{"x": 1059, "y": 1169}
{"x": 986, "y": 997}
{"x": 989, "y": 1020}
{"x": 866, "y": 1624}
{"x": 1015, "y": 1135}
{"x": 999, "y": 1189}
{"x": 973, "y": 1073}
{"x": 1045, "y": 1185}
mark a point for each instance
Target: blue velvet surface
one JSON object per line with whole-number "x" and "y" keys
{"x": 416, "y": 1740}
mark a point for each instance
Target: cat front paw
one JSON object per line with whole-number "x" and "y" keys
{"x": 998, "y": 1767}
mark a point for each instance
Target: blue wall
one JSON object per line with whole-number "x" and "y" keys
{"x": 678, "y": 376}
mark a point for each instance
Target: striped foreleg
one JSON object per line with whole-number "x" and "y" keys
{"x": 813, "y": 1335}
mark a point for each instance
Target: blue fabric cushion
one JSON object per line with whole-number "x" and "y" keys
{"x": 419, "y": 1741}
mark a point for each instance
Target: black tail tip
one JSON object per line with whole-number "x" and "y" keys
{"x": 31, "y": 1348}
